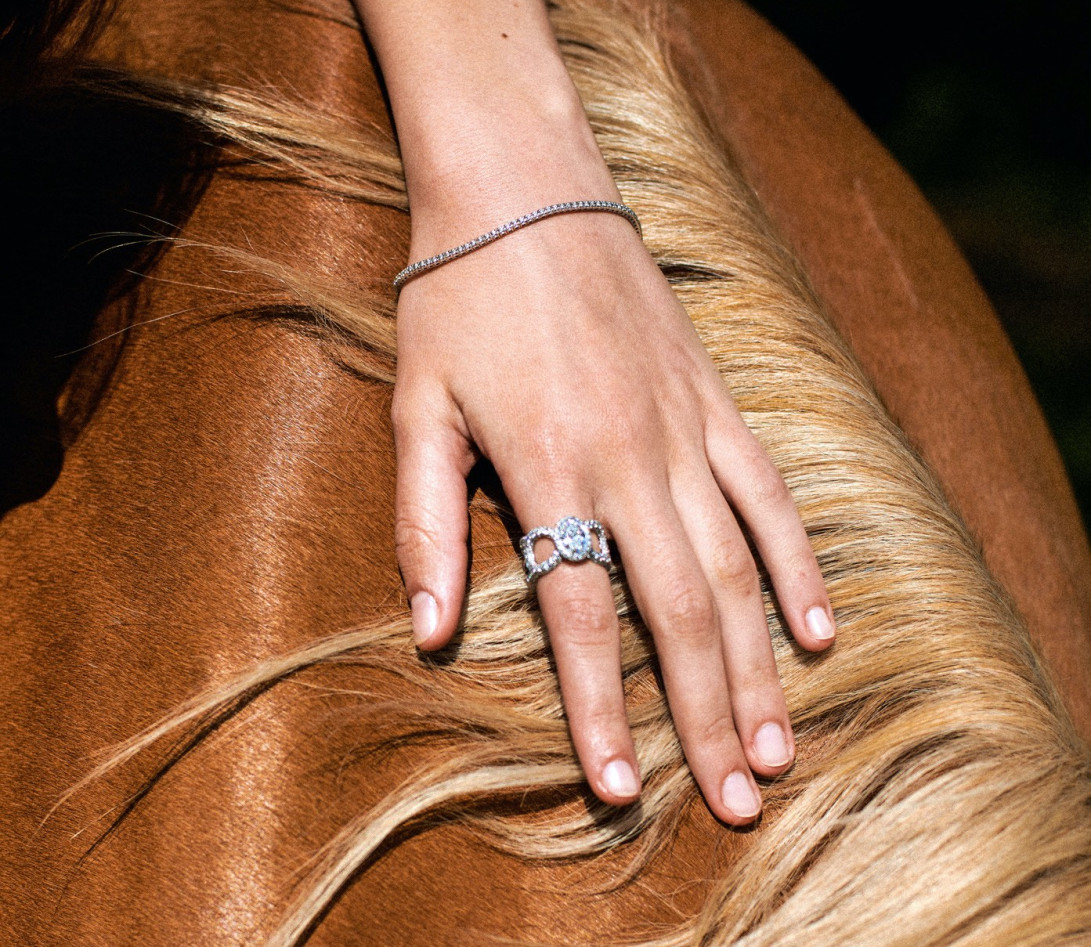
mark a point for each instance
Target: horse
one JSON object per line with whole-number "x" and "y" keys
{"x": 216, "y": 727}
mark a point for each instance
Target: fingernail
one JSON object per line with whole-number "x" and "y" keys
{"x": 425, "y": 617}
{"x": 819, "y": 624}
{"x": 740, "y": 796}
{"x": 620, "y": 780}
{"x": 771, "y": 745}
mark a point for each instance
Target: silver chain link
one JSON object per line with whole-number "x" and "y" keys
{"x": 567, "y": 207}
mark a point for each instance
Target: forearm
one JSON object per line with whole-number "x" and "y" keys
{"x": 489, "y": 122}
{"x": 562, "y": 355}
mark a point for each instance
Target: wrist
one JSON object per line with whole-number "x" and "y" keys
{"x": 492, "y": 166}
{"x": 489, "y": 122}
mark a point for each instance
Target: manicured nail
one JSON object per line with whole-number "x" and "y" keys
{"x": 819, "y": 624}
{"x": 740, "y": 796}
{"x": 620, "y": 780}
{"x": 771, "y": 745}
{"x": 425, "y": 617}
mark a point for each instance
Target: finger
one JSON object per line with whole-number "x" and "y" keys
{"x": 676, "y": 603}
{"x": 431, "y": 520}
{"x": 577, "y": 605}
{"x": 756, "y": 694}
{"x": 760, "y": 496}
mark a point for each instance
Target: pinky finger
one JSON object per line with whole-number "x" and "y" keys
{"x": 758, "y": 493}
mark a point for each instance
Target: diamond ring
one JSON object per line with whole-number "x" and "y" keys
{"x": 571, "y": 541}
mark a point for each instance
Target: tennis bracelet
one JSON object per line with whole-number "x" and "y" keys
{"x": 567, "y": 207}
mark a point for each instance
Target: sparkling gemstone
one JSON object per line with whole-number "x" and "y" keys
{"x": 573, "y": 539}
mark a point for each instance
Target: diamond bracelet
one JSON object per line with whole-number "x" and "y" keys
{"x": 567, "y": 207}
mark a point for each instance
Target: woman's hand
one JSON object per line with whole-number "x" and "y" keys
{"x": 561, "y": 354}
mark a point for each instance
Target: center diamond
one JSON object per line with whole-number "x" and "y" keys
{"x": 573, "y": 539}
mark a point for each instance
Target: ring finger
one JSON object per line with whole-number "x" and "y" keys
{"x": 577, "y": 605}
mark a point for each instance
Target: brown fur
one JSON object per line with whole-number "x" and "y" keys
{"x": 228, "y": 501}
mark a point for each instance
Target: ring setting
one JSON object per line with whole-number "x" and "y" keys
{"x": 572, "y": 542}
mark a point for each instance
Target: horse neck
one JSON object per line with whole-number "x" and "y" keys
{"x": 233, "y": 466}
{"x": 230, "y": 463}
{"x": 223, "y": 473}
{"x": 228, "y": 497}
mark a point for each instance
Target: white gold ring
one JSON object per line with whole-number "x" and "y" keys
{"x": 571, "y": 542}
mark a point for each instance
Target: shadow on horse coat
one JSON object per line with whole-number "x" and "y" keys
{"x": 225, "y": 504}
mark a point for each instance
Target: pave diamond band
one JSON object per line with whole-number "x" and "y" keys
{"x": 566, "y": 207}
{"x": 571, "y": 541}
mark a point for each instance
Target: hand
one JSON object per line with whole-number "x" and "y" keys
{"x": 562, "y": 355}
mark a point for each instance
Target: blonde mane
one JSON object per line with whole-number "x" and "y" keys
{"x": 941, "y": 796}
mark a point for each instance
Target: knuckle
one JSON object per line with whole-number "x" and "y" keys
{"x": 753, "y": 678}
{"x": 767, "y": 487}
{"x": 620, "y": 428}
{"x": 414, "y": 539}
{"x": 549, "y": 447}
{"x": 755, "y": 681}
{"x": 717, "y": 730}
{"x": 559, "y": 442}
{"x": 604, "y": 723}
{"x": 733, "y": 568}
{"x": 588, "y": 624}
{"x": 689, "y": 610}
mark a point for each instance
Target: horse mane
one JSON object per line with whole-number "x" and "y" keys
{"x": 941, "y": 795}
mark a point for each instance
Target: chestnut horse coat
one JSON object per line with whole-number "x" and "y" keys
{"x": 225, "y": 498}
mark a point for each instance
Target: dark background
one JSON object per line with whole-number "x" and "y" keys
{"x": 987, "y": 105}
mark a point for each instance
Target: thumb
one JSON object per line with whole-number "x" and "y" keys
{"x": 431, "y": 522}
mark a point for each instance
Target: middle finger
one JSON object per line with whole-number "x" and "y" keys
{"x": 677, "y": 604}
{"x": 756, "y": 694}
